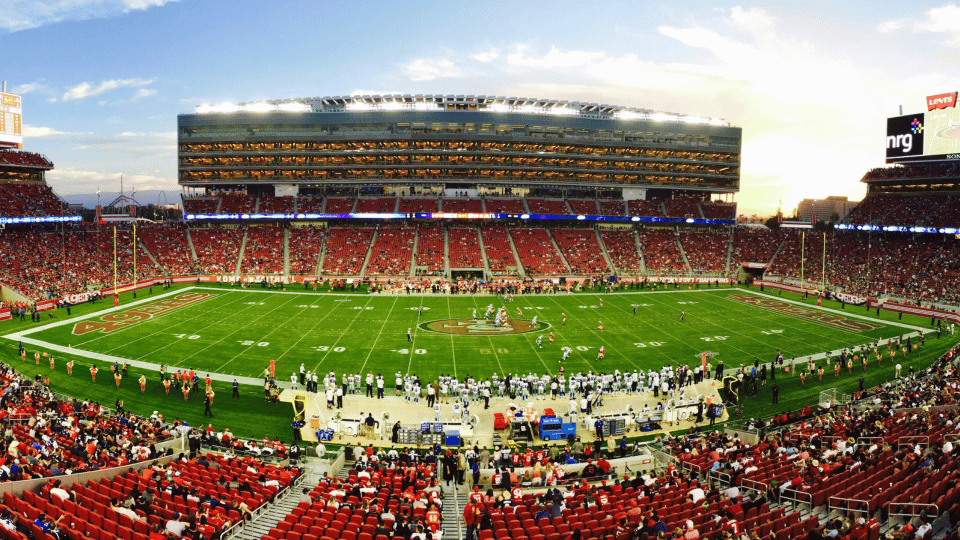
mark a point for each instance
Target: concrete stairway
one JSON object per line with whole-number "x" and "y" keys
{"x": 413, "y": 254}
{"x": 243, "y": 247}
{"x": 151, "y": 257}
{"x": 556, "y": 247}
{"x": 366, "y": 260}
{"x": 683, "y": 253}
{"x": 286, "y": 252}
{"x": 520, "y": 270}
{"x": 454, "y": 501}
{"x": 603, "y": 249}
{"x": 643, "y": 262}
{"x": 193, "y": 250}
{"x": 483, "y": 255}
{"x": 446, "y": 253}
{"x": 275, "y": 513}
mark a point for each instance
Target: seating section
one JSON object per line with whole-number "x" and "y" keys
{"x": 660, "y": 250}
{"x": 167, "y": 242}
{"x": 200, "y": 205}
{"x": 430, "y": 247}
{"x": 346, "y": 249}
{"x": 613, "y": 208}
{"x": 463, "y": 206}
{"x": 706, "y": 252}
{"x": 382, "y": 205}
{"x": 277, "y": 205}
{"x": 340, "y": 206}
{"x": 391, "y": 252}
{"x": 583, "y": 207}
{"x": 548, "y": 206}
{"x": 464, "y": 248}
{"x": 421, "y": 204}
{"x": 30, "y": 200}
{"x": 582, "y": 251}
{"x": 90, "y": 515}
{"x": 304, "y": 246}
{"x": 263, "y": 253}
{"x": 622, "y": 249}
{"x": 310, "y": 205}
{"x": 753, "y": 245}
{"x": 337, "y": 513}
{"x": 788, "y": 260}
{"x": 536, "y": 251}
{"x": 496, "y": 245}
{"x": 504, "y": 206}
{"x": 24, "y": 159}
{"x": 647, "y": 208}
{"x": 238, "y": 204}
{"x": 217, "y": 249}
{"x": 717, "y": 210}
{"x": 683, "y": 206}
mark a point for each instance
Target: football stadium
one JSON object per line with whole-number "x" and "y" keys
{"x": 480, "y": 317}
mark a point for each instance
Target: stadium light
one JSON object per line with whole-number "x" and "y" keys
{"x": 293, "y": 107}
{"x": 258, "y": 107}
{"x": 663, "y": 117}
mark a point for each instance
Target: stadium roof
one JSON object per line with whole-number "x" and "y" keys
{"x": 435, "y": 102}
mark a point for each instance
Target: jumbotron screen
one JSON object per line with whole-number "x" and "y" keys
{"x": 933, "y": 135}
{"x": 11, "y": 125}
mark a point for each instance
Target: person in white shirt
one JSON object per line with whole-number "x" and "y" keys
{"x": 697, "y": 495}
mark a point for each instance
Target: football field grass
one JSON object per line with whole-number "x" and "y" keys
{"x": 234, "y": 332}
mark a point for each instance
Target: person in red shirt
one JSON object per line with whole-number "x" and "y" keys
{"x": 93, "y": 374}
{"x": 433, "y": 518}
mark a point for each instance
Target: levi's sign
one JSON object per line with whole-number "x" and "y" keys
{"x": 941, "y": 101}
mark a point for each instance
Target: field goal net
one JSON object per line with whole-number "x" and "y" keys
{"x": 831, "y": 398}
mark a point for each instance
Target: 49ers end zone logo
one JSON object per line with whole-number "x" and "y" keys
{"x": 116, "y": 321}
{"x": 480, "y": 327}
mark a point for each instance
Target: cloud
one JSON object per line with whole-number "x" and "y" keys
{"x": 429, "y": 69}
{"x": 41, "y": 131}
{"x": 144, "y": 92}
{"x": 939, "y": 20}
{"x": 28, "y": 88}
{"x": 486, "y": 56}
{"x": 85, "y": 89}
{"x": 23, "y": 15}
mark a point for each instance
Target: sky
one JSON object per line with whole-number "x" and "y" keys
{"x": 810, "y": 83}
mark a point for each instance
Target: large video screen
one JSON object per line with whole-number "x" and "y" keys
{"x": 934, "y": 135}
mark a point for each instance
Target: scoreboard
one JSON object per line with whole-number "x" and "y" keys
{"x": 933, "y": 135}
{"x": 11, "y": 122}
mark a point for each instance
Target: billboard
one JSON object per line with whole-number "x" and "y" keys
{"x": 11, "y": 123}
{"x": 926, "y": 136}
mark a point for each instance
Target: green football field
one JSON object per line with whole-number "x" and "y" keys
{"x": 234, "y": 332}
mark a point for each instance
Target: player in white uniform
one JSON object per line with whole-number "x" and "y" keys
{"x": 540, "y": 342}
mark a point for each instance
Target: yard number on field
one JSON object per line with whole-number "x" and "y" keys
{"x": 771, "y": 332}
{"x": 714, "y": 338}
{"x": 186, "y": 336}
{"x": 642, "y": 345}
{"x": 407, "y": 351}
{"x": 490, "y": 351}
{"x": 324, "y": 348}
{"x": 248, "y": 343}
{"x": 254, "y": 303}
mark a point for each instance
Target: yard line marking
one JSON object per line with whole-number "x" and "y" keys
{"x": 602, "y": 341}
{"x": 169, "y": 329}
{"x": 343, "y": 332}
{"x": 277, "y": 327}
{"x": 376, "y": 339}
{"x": 244, "y": 327}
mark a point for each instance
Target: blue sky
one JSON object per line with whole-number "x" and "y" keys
{"x": 810, "y": 82}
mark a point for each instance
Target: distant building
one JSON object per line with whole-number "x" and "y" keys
{"x": 825, "y": 208}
